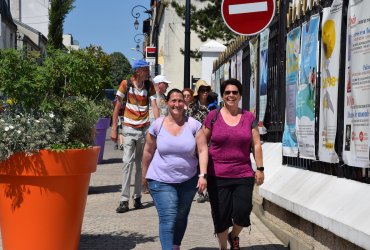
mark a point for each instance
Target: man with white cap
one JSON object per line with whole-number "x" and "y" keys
{"x": 137, "y": 92}
{"x": 161, "y": 85}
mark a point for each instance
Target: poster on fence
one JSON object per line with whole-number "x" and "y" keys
{"x": 239, "y": 65}
{"x": 263, "y": 72}
{"x": 253, "y": 48}
{"x": 357, "y": 86}
{"x": 213, "y": 81}
{"x": 217, "y": 83}
{"x": 305, "y": 106}
{"x": 290, "y": 145}
{"x": 330, "y": 58}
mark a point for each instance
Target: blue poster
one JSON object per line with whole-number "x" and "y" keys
{"x": 290, "y": 144}
{"x": 305, "y": 103}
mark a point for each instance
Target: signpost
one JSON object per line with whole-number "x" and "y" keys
{"x": 150, "y": 52}
{"x": 247, "y": 17}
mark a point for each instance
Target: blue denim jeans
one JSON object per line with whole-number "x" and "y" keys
{"x": 173, "y": 203}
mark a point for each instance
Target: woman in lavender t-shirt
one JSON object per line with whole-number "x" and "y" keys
{"x": 169, "y": 168}
{"x": 232, "y": 133}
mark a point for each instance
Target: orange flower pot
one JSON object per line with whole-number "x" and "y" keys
{"x": 43, "y": 198}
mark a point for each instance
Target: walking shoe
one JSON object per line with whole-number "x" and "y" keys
{"x": 138, "y": 204}
{"x": 201, "y": 198}
{"x": 234, "y": 242}
{"x": 123, "y": 207}
{"x": 121, "y": 147}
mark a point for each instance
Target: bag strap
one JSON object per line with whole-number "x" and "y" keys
{"x": 215, "y": 117}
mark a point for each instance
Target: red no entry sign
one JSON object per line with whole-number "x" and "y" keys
{"x": 247, "y": 17}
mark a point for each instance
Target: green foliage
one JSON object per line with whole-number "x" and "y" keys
{"x": 57, "y": 13}
{"x": 207, "y": 22}
{"x": 55, "y": 104}
{"x": 120, "y": 67}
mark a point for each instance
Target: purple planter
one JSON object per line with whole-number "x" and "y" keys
{"x": 101, "y": 133}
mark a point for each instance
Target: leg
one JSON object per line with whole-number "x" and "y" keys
{"x": 165, "y": 199}
{"x": 140, "y": 141}
{"x": 222, "y": 239}
{"x": 186, "y": 192}
{"x": 128, "y": 155}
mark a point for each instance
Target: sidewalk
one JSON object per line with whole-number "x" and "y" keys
{"x": 103, "y": 228}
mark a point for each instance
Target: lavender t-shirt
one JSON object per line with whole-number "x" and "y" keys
{"x": 174, "y": 160}
{"x": 229, "y": 153}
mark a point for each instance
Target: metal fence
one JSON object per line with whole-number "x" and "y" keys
{"x": 276, "y": 98}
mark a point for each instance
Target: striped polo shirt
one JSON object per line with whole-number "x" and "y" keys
{"x": 136, "y": 113}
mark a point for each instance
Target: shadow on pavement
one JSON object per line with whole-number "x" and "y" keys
{"x": 104, "y": 189}
{"x": 111, "y": 161}
{"x": 108, "y": 241}
{"x": 257, "y": 247}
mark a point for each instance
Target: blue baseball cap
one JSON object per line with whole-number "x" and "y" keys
{"x": 140, "y": 64}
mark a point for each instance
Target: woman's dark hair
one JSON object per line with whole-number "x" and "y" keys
{"x": 231, "y": 81}
{"x": 173, "y": 91}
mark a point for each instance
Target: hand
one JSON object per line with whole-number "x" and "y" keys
{"x": 113, "y": 135}
{"x": 144, "y": 182}
{"x": 259, "y": 176}
{"x": 202, "y": 184}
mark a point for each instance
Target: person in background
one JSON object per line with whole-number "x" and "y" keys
{"x": 198, "y": 109}
{"x": 170, "y": 168}
{"x": 161, "y": 84}
{"x": 188, "y": 97}
{"x": 212, "y": 99}
{"x": 135, "y": 125}
{"x": 232, "y": 134}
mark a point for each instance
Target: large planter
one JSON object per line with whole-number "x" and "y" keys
{"x": 100, "y": 135}
{"x": 43, "y": 197}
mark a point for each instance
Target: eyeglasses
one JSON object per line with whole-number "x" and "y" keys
{"x": 203, "y": 90}
{"x": 228, "y": 92}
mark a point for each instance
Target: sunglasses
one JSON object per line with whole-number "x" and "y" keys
{"x": 228, "y": 92}
{"x": 203, "y": 89}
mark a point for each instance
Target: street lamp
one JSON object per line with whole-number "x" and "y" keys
{"x": 137, "y": 49}
{"x": 136, "y": 14}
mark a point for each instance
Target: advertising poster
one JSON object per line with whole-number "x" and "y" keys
{"x": 213, "y": 81}
{"x": 330, "y": 54}
{"x": 305, "y": 109}
{"x": 264, "y": 45}
{"x": 253, "y": 48}
{"x": 239, "y": 65}
{"x": 290, "y": 145}
{"x": 233, "y": 67}
{"x": 357, "y": 86}
{"x": 217, "y": 82}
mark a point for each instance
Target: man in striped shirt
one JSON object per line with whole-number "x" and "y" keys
{"x": 137, "y": 95}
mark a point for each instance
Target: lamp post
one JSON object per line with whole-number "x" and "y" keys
{"x": 136, "y": 15}
{"x": 187, "y": 46}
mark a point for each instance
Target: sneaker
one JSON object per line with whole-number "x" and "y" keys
{"x": 123, "y": 207}
{"x": 201, "y": 198}
{"x": 138, "y": 204}
{"x": 234, "y": 243}
{"x": 121, "y": 147}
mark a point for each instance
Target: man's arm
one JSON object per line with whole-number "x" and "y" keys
{"x": 155, "y": 108}
{"x": 116, "y": 110}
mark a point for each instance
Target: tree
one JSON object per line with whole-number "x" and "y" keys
{"x": 120, "y": 67}
{"x": 57, "y": 13}
{"x": 207, "y": 22}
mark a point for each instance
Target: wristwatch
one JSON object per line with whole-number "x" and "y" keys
{"x": 204, "y": 175}
{"x": 260, "y": 168}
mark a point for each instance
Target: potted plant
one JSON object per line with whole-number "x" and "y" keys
{"x": 101, "y": 127}
{"x": 46, "y": 153}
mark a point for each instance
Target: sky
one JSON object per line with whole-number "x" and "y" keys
{"x": 107, "y": 23}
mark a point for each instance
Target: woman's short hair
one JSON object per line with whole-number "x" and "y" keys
{"x": 231, "y": 81}
{"x": 171, "y": 92}
{"x": 188, "y": 90}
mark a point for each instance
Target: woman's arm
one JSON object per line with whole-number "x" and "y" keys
{"x": 203, "y": 158}
{"x": 257, "y": 153}
{"x": 207, "y": 133}
{"x": 148, "y": 153}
